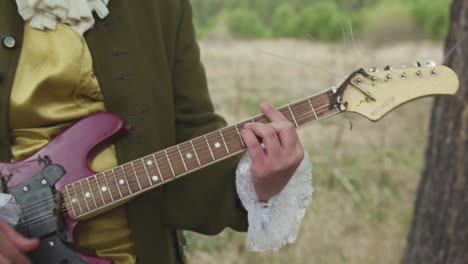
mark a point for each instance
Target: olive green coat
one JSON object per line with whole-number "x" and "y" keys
{"x": 147, "y": 62}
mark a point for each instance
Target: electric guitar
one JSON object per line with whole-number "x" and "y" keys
{"x": 56, "y": 189}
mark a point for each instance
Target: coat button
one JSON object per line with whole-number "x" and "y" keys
{"x": 9, "y": 41}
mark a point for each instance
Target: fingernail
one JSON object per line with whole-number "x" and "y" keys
{"x": 247, "y": 125}
{"x": 264, "y": 106}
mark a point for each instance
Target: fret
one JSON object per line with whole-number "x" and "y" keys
{"x": 77, "y": 200}
{"x": 240, "y": 137}
{"x": 142, "y": 170}
{"x": 313, "y": 109}
{"x": 292, "y": 115}
{"x": 122, "y": 179}
{"x": 202, "y": 150}
{"x": 82, "y": 191}
{"x": 302, "y": 116}
{"x": 126, "y": 179}
{"x": 157, "y": 166}
{"x": 170, "y": 164}
{"x": 92, "y": 192}
{"x": 70, "y": 200}
{"x": 232, "y": 140}
{"x": 99, "y": 189}
{"x": 224, "y": 141}
{"x": 151, "y": 169}
{"x": 209, "y": 147}
{"x": 136, "y": 175}
{"x": 104, "y": 187}
{"x": 108, "y": 187}
{"x": 116, "y": 183}
{"x": 215, "y": 142}
{"x": 182, "y": 158}
{"x": 188, "y": 156}
{"x": 132, "y": 178}
{"x": 146, "y": 170}
{"x": 195, "y": 152}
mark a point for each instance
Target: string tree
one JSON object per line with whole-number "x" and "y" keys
{"x": 431, "y": 63}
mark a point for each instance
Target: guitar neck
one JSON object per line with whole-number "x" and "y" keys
{"x": 106, "y": 189}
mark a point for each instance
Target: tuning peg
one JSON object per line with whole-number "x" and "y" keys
{"x": 403, "y": 66}
{"x": 388, "y": 68}
{"x": 431, "y": 63}
{"x": 418, "y": 64}
{"x": 374, "y": 69}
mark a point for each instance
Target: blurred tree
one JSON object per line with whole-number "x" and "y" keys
{"x": 245, "y": 24}
{"x": 320, "y": 21}
{"x": 439, "y": 232}
{"x": 432, "y": 18}
{"x": 282, "y": 23}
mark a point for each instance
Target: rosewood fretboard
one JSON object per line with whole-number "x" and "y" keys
{"x": 105, "y": 189}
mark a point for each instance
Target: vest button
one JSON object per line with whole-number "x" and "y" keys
{"x": 9, "y": 41}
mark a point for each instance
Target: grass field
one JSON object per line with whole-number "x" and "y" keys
{"x": 365, "y": 178}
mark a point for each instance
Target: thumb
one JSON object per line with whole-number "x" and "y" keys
{"x": 22, "y": 243}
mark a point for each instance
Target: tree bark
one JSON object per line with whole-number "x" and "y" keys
{"x": 439, "y": 232}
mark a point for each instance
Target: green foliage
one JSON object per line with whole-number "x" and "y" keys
{"x": 320, "y": 21}
{"x": 432, "y": 18}
{"x": 283, "y": 23}
{"x": 245, "y": 24}
{"x": 325, "y": 20}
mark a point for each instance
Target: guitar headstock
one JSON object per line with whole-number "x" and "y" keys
{"x": 374, "y": 93}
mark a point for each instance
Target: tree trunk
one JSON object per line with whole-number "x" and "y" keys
{"x": 439, "y": 232}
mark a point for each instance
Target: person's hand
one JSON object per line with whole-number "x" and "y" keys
{"x": 13, "y": 246}
{"x": 281, "y": 154}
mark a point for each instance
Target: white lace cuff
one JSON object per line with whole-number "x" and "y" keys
{"x": 277, "y": 223}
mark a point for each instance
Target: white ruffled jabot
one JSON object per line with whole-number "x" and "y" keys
{"x": 45, "y": 14}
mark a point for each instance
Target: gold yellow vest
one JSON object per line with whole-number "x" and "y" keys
{"x": 53, "y": 87}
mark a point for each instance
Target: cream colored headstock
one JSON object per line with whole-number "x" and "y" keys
{"x": 373, "y": 94}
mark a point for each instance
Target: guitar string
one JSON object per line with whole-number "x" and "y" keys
{"x": 163, "y": 171}
{"x": 82, "y": 203}
{"x": 166, "y": 169}
{"x": 31, "y": 209}
{"x": 64, "y": 210}
{"x": 33, "y": 221}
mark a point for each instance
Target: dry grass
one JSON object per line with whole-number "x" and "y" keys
{"x": 366, "y": 223}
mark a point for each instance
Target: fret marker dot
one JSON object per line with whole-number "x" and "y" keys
{"x": 88, "y": 195}
{"x": 121, "y": 182}
{"x": 189, "y": 155}
{"x": 74, "y": 200}
{"x": 155, "y": 178}
{"x": 149, "y": 162}
{"x": 217, "y": 145}
{"x": 103, "y": 188}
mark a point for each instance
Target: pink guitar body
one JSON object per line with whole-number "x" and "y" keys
{"x": 70, "y": 150}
